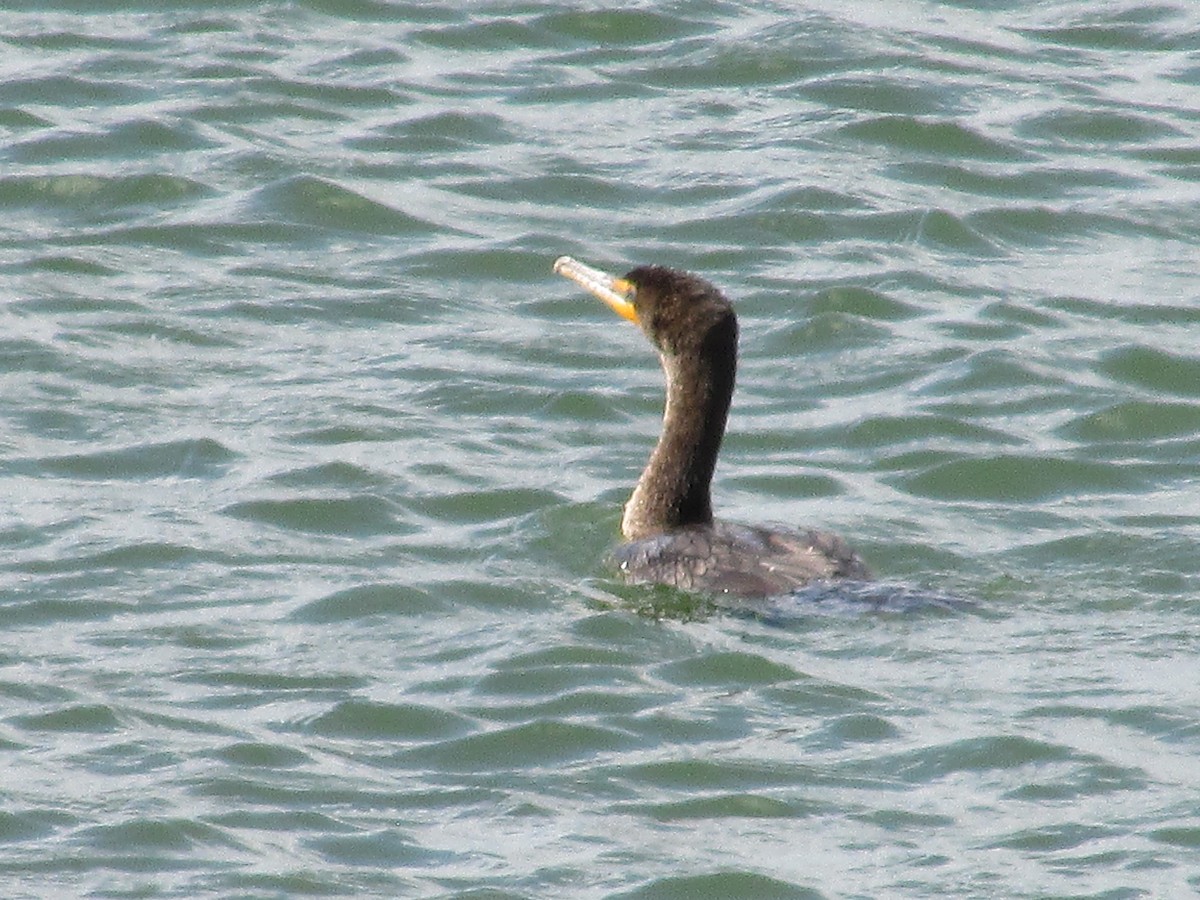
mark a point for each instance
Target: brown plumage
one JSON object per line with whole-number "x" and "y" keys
{"x": 671, "y": 536}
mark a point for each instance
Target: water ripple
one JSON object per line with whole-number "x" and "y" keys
{"x": 311, "y": 464}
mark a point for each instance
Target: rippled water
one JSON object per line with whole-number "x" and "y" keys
{"x": 310, "y": 464}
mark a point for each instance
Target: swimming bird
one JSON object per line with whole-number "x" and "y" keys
{"x": 670, "y": 534}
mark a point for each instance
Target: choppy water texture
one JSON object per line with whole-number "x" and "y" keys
{"x": 309, "y": 464}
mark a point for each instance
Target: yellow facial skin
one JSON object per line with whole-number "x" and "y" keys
{"x": 616, "y": 292}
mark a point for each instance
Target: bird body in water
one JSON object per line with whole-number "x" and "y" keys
{"x": 668, "y": 526}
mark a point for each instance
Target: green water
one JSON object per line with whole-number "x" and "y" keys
{"x": 309, "y": 464}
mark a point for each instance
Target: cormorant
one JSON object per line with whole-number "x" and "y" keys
{"x": 670, "y": 534}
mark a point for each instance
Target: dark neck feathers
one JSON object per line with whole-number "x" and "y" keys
{"x": 674, "y": 490}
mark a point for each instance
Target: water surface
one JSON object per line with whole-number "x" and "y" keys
{"x": 311, "y": 464}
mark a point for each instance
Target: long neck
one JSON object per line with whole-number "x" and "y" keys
{"x": 675, "y": 488}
